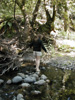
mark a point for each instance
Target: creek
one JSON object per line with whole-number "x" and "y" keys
{"x": 60, "y": 87}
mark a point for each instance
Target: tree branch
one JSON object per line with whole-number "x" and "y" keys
{"x": 35, "y": 11}
{"x": 54, "y": 13}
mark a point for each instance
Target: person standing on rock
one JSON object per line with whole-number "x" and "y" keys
{"x": 37, "y": 45}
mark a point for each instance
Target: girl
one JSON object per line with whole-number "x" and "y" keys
{"x": 37, "y": 45}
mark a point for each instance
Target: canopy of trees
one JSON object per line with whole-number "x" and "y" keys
{"x": 34, "y": 12}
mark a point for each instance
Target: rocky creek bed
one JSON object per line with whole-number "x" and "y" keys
{"x": 55, "y": 82}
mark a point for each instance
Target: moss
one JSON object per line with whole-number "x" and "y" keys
{"x": 65, "y": 48}
{"x": 44, "y": 28}
{"x": 64, "y": 95}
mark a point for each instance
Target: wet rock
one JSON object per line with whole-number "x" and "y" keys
{"x": 35, "y": 92}
{"x": 43, "y": 77}
{"x": 17, "y": 79}
{"x": 68, "y": 98}
{"x": 6, "y": 94}
{"x": 38, "y": 72}
{"x": 1, "y": 91}
{"x": 40, "y": 82}
{"x": 1, "y": 98}
{"x": 21, "y": 74}
{"x": 9, "y": 81}
{"x": 42, "y": 68}
{"x": 48, "y": 81}
{"x": 35, "y": 75}
{"x": 1, "y": 81}
{"x": 25, "y": 85}
{"x": 30, "y": 79}
{"x": 12, "y": 92}
{"x": 27, "y": 72}
{"x": 14, "y": 98}
{"x": 20, "y": 97}
{"x": 63, "y": 87}
{"x": 26, "y": 76}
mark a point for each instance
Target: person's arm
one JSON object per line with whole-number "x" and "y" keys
{"x": 43, "y": 47}
{"x": 31, "y": 44}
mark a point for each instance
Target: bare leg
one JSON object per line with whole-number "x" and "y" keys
{"x": 37, "y": 63}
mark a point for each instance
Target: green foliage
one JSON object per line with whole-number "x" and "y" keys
{"x": 65, "y": 48}
{"x": 56, "y": 2}
{"x": 63, "y": 95}
{"x": 7, "y": 21}
{"x": 10, "y": 24}
{"x": 8, "y": 27}
{"x": 30, "y": 6}
{"x": 44, "y": 28}
{"x": 63, "y": 33}
{"x": 6, "y": 8}
{"x": 65, "y": 15}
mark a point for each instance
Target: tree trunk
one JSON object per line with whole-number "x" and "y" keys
{"x": 65, "y": 18}
{"x": 21, "y": 6}
{"x": 35, "y": 12}
{"x": 50, "y": 22}
{"x": 14, "y": 8}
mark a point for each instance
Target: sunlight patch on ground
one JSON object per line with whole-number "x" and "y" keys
{"x": 71, "y": 43}
{"x": 71, "y": 54}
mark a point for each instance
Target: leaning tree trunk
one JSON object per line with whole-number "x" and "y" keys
{"x": 35, "y": 12}
{"x": 14, "y": 8}
{"x": 26, "y": 21}
{"x": 21, "y": 6}
{"x": 50, "y": 20}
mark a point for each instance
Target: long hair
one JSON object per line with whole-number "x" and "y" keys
{"x": 38, "y": 36}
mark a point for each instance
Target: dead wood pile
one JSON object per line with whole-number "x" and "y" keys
{"x": 8, "y": 55}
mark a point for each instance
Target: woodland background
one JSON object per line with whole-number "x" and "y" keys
{"x": 21, "y": 19}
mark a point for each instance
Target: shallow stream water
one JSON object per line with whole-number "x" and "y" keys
{"x": 60, "y": 87}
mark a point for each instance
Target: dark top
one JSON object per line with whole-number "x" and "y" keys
{"x": 37, "y": 45}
